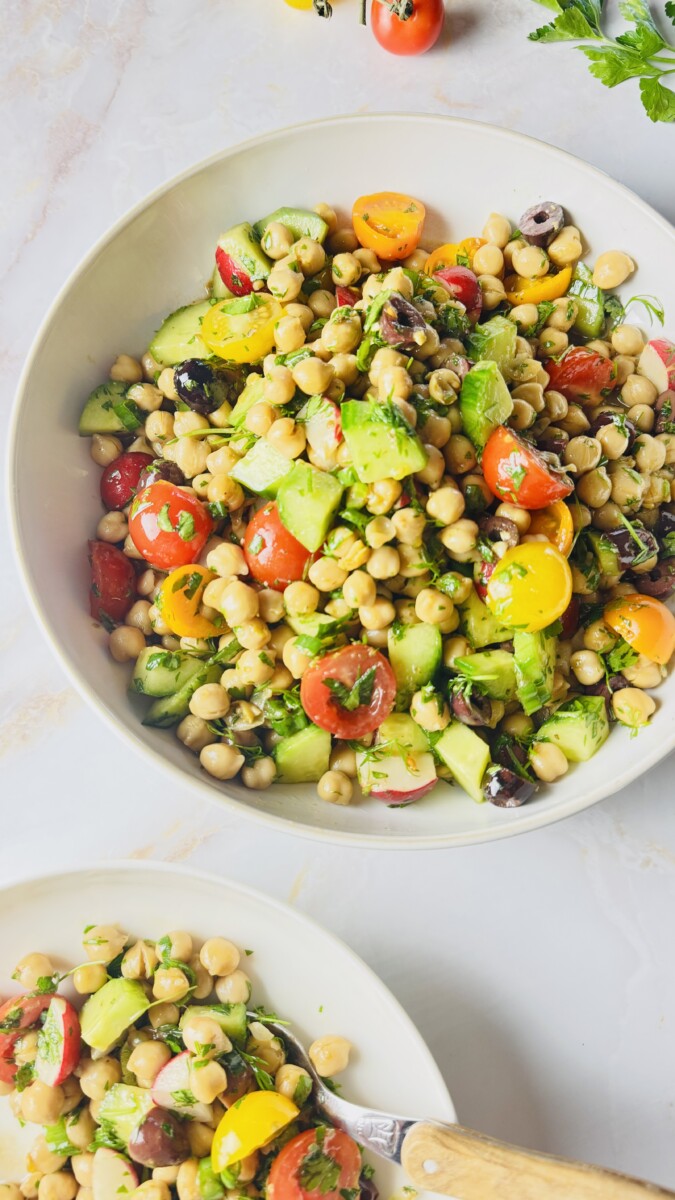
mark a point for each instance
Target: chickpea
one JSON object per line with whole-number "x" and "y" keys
{"x": 667, "y": 440}
{"x": 276, "y": 240}
{"x": 644, "y": 673}
{"x": 31, "y": 968}
{"x": 139, "y": 961}
{"x": 587, "y": 666}
{"x": 310, "y": 255}
{"x": 529, "y": 261}
{"x": 628, "y": 339}
{"x": 204, "y": 1038}
{"x": 125, "y": 644}
{"x": 393, "y": 382}
{"x": 326, "y": 574}
{"x": 612, "y": 269}
{"x": 313, "y": 376}
{"x": 328, "y": 215}
{"x": 126, "y": 369}
{"x": 342, "y": 334}
{"x": 321, "y": 303}
{"x": 552, "y": 342}
{"x": 146, "y": 1061}
{"x": 488, "y": 260}
{"x": 187, "y": 1184}
{"x": 409, "y": 525}
{"x": 613, "y": 442}
{"x": 253, "y": 634}
{"x": 167, "y": 1175}
{"x": 234, "y": 988}
{"x": 632, "y": 707}
{"x": 102, "y": 943}
{"x": 397, "y": 280}
{"x": 650, "y": 454}
{"x": 284, "y": 282}
{"x": 343, "y": 759}
{"x": 60, "y": 1185}
{"x": 289, "y": 334}
{"x": 170, "y": 983}
{"x": 89, "y": 978}
{"x": 497, "y": 229}
{"x": 40, "y": 1104}
{"x": 294, "y": 659}
{"x": 194, "y": 733}
{"x": 238, "y": 603}
{"x": 566, "y": 248}
{"x": 330, "y": 1055}
{"x": 657, "y": 492}
{"x": 382, "y": 496}
{"x": 255, "y": 667}
{"x": 638, "y": 390}
{"x": 522, "y": 415}
{"x": 345, "y": 368}
{"x": 446, "y": 505}
{"x": 627, "y": 487}
{"x": 520, "y": 516}
{"x": 29, "y": 1184}
{"x": 433, "y": 607}
{"x": 293, "y": 1082}
{"x": 595, "y": 488}
{"x": 335, "y": 787}
{"x": 207, "y": 1081}
{"x": 42, "y": 1159}
{"x": 379, "y": 531}
{"x": 584, "y": 453}
{"x": 460, "y": 538}
{"x": 443, "y": 385}
{"x": 459, "y": 454}
{"x": 370, "y": 263}
{"x": 359, "y": 589}
{"x": 346, "y": 269}
{"x": 564, "y": 314}
{"x": 210, "y": 702}
{"x": 104, "y": 449}
{"x": 492, "y": 289}
{"x": 548, "y": 761}
{"x": 301, "y": 598}
{"x": 429, "y": 711}
{"x": 378, "y": 615}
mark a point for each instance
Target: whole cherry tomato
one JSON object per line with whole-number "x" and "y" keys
{"x": 645, "y": 623}
{"x": 583, "y": 376}
{"x": 414, "y": 36}
{"x": 389, "y": 223}
{"x": 294, "y": 1177}
{"x": 530, "y": 587}
{"x": 168, "y": 526}
{"x": 517, "y": 472}
{"x": 113, "y": 583}
{"x": 274, "y": 556}
{"x": 120, "y": 479}
{"x": 462, "y": 285}
{"x": 327, "y": 691}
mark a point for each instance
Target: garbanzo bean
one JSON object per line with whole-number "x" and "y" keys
{"x": 337, "y": 788}
{"x": 632, "y": 707}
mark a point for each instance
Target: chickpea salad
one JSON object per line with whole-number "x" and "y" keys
{"x": 167, "y": 1082}
{"x": 384, "y": 515}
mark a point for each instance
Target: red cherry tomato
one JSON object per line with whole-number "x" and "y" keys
{"x": 483, "y": 571}
{"x": 517, "y": 472}
{"x": 570, "y": 619}
{"x": 16, "y": 1015}
{"x": 113, "y": 583}
{"x": 274, "y": 556}
{"x": 463, "y": 285}
{"x": 291, "y": 1174}
{"x": 120, "y": 480}
{"x": 346, "y": 295}
{"x": 581, "y": 375}
{"x": 414, "y": 36}
{"x": 232, "y": 275}
{"x": 345, "y": 666}
{"x": 168, "y": 526}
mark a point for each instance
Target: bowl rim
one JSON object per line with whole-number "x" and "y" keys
{"x": 40, "y": 612}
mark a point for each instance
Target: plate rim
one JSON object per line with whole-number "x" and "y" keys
{"x": 40, "y": 611}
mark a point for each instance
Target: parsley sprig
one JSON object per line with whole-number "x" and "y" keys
{"x": 640, "y": 52}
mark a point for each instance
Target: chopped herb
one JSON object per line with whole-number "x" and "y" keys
{"x": 186, "y": 525}
{"x": 183, "y": 1098}
{"x": 318, "y": 1171}
{"x": 358, "y": 695}
{"x": 164, "y": 519}
{"x": 256, "y": 544}
{"x": 24, "y": 1076}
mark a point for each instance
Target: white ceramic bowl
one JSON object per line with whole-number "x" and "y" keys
{"x": 157, "y": 258}
{"x": 300, "y": 971}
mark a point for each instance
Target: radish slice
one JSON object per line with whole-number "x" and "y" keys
{"x": 58, "y": 1048}
{"x": 112, "y": 1175}
{"x": 394, "y": 779}
{"x": 171, "y": 1089}
{"x": 657, "y": 364}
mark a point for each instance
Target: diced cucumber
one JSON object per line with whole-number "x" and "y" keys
{"x": 308, "y": 500}
{"x": 590, "y": 300}
{"x": 124, "y": 1107}
{"x": 251, "y": 394}
{"x": 209, "y": 1185}
{"x": 415, "y": 656}
{"x": 262, "y": 469}
{"x": 178, "y": 338}
{"x": 401, "y": 729}
{"x": 230, "y": 1017}
{"x": 494, "y": 670}
{"x": 466, "y": 755}
{"x": 169, "y": 710}
{"x": 579, "y": 727}
{"x": 496, "y": 340}
{"x": 381, "y": 442}
{"x": 479, "y": 625}
{"x": 242, "y": 245}
{"x": 163, "y": 672}
{"x": 107, "y": 410}
{"x": 484, "y": 402}
{"x": 303, "y": 757}
{"x": 606, "y": 553}
{"x": 109, "y": 1012}
{"x": 311, "y": 625}
{"x": 301, "y": 222}
{"x": 534, "y": 655}
{"x": 218, "y": 289}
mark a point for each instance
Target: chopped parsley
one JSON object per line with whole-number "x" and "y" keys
{"x": 359, "y": 694}
{"x": 318, "y": 1171}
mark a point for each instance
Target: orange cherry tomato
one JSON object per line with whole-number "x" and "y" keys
{"x": 555, "y": 523}
{"x": 645, "y": 623}
{"x": 414, "y": 36}
{"x": 389, "y": 223}
{"x": 453, "y": 254}
{"x": 530, "y": 587}
{"x": 179, "y": 601}
{"x": 532, "y": 291}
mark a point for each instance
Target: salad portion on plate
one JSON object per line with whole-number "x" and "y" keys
{"x": 384, "y": 515}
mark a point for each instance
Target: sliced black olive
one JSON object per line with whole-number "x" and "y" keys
{"x": 204, "y": 387}
{"x": 554, "y": 440}
{"x": 541, "y": 223}
{"x": 665, "y": 412}
{"x": 476, "y": 711}
{"x": 627, "y": 547}
{"x": 161, "y": 469}
{"x": 160, "y": 1140}
{"x": 500, "y": 529}
{"x": 506, "y": 789}
{"x": 660, "y": 581}
{"x": 506, "y": 749}
{"x": 606, "y": 688}
{"x": 401, "y": 324}
{"x": 666, "y": 523}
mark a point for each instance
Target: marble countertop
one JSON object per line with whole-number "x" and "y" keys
{"x": 540, "y": 970}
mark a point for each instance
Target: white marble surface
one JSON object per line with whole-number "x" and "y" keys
{"x": 540, "y": 970}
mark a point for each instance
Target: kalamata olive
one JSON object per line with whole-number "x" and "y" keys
{"x": 506, "y": 789}
{"x": 666, "y": 523}
{"x": 540, "y": 224}
{"x": 240, "y": 1078}
{"x": 659, "y": 582}
{"x": 499, "y": 529}
{"x": 474, "y": 711}
{"x": 204, "y": 387}
{"x": 570, "y": 618}
{"x": 628, "y": 549}
{"x": 554, "y": 440}
{"x": 160, "y": 1140}
{"x": 618, "y": 419}
{"x": 161, "y": 468}
{"x": 401, "y": 324}
{"x": 542, "y": 714}
{"x": 605, "y": 688}
{"x": 368, "y": 1188}
{"x": 665, "y": 409}
{"x": 506, "y": 749}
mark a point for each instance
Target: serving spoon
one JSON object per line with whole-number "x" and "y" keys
{"x": 459, "y": 1162}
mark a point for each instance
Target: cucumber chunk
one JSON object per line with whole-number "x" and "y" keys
{"x": 606, "y": 553}
{"x": 496, "y": 340}
{"x": 308, "y": 500}
{"x": 534, "y": 655}
{"x": 163, "y": 672}
{"x": 169, "y": 710}
{"x": 579, "y": 727}
{"x": 484, "y": 402}
{"x": 311, "y": 624}
{"x": 243, "y": 247}
{"x": 381, "y": 442}
{"x": 479, "y": 625}
{"x": 230, "y": 1017}
{"x": 252, "y": 393}
{"x": 108, "y": 411}
{"x": 403, "y": 731}
{"x": 301, "y": 222}
{"x": 110, "y": 1011}
{"x": 494, "y": 670}
{"x": 466, "y": 755}
{"x": 262, "y": 469}
{"x": 590, "y": 299}
{"x": 124, "y": 1107}
{"x": 178, "y": 337}
{"x": 303, "y": 757}
{"x": 415, "y": 656}
{"x": 218, "y": 289}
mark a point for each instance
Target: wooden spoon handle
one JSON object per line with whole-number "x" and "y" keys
{"x": 467, "y": 1165}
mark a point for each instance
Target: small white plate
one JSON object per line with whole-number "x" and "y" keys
{"x": 303, "y": 973}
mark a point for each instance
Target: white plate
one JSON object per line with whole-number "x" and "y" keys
{"x": 157, "y": 258}
{"x": 305, "y": 974}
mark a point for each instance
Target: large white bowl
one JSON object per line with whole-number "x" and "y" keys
{"x": 157, "y": 258}
{"x": 298, "y": 969}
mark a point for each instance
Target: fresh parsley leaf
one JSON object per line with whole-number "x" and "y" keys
{"x": 24, "y": 1076}
{"x": 186, "y": 525}
{"x": 620, "y": 657}
{"x": 544, "y": 310}
{"x": 318, "y": 1171}
{"x": 659, "y": 101}
{"x": 614, "y": 311}
{"x": 358, "y": 695}
{"x": 164, "y": 519}
{"x": 614, "y": 65}
{"x": 107, "y": 1135}
{"x": 569, "y": 26}
{"x": 670, "y": 10}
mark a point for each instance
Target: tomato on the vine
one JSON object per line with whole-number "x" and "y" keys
{"x": 320, "y": 1164}
{"x": 168, "y": 525}
{"x": 349, "y": 692}
{"x": 517, "y": 472}
{"x": 414, "y": 36}
{"x": 274, "y": 556}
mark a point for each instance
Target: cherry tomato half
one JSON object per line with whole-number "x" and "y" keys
{"x": 16, "y": 1015}
{"x": 292, "y": 1176}
{"x": 463, "y": 285}
{"x": 234, "y": 277}
{"x": 530, "y": 587}
{"x": 345, "y": 666}
{"x": 389, "y": 223}
{"x": 242, "y": 330}
{"x": 274, "y": 556}
{"x": 453, "y": 254}
{"x": 168, "y": 526}
{"x": 179, "y": 599}
{"x": 581, "y": 375}
{"x": 517, "y": 472}
{"x": 120, "y": 479}
{"x": 113, "y": 583}
{"x": 645, "y": 623}
{"x": 532, "y": 291}
{"x": 414, "y": 36}
{"x": 555, "y": 523}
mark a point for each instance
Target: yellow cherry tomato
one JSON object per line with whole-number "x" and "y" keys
{"x": 530, "y": 587}
{"x": 532, "y": 291}
{"x": 555, "y": 523}
{"x": 448, "y": 255}
{"x": 242, "y": 330}
{"x": 179, "y": 600}
{"x": 304, "y": 4}
{"x": 645, "y": 623}
{"x": 249, "y": 1124}
{"x": 389, "y": 223}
